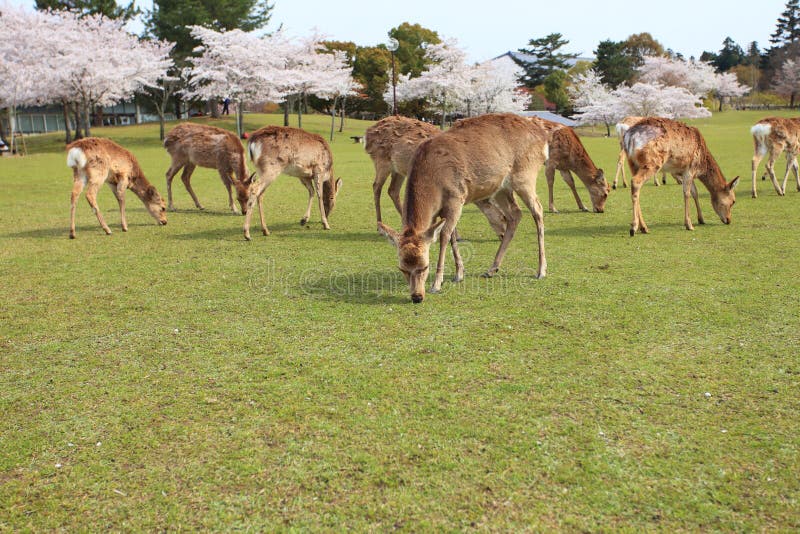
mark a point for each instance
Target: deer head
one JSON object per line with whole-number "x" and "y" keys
{"x": 243, "y": 191}
{"x": 598, "y": 191}
{"x": 329, "y": 194}
{"x": 155, "y": 204}
{"x": 724, "y": 199}
{"x": 413, "y": 251}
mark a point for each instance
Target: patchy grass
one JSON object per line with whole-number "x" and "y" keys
{"x": 179, "y": 377}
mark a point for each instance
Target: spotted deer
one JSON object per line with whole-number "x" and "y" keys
{"x": 653, "y": 144}
{"x": 307, "y": 156}
{"x": 391, "y": 143}
{"x": 197, "y": 145}
{"x": 771, "y": 136}
{"x": 567, "y": 155}
{"x": 622, "y": 127}
{"x": 490, "y": 156}
{"x": 95, "y": 161}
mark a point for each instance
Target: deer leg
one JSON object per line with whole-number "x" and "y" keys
{"x": 78, "y": 181}
{"x": 318, "y": 179}
{"x": 504, "y": 200}
{"x": 446, "y": 237}
{"x": 796, "y": 168}
{"x": 173, "y": 169}
{"x": 636, "y": 186}
{"x": 789, "y": 165}
{"x": 528, "y": 196}
{"x": 550, "y": 175}
{"x": 119, "y": 192}
{"x": 310, "y": 187}
{"x": 459, "y": 276}
{"x": 227, "y": 181}
{"x": 394, "y": 191}
{"x": 186, "y": 177}
{"x": 571, "y": 183}
{"x": 696, "y": 197}
{"x": 688, "y": 183}
{"x": 771, "y": 171}
{"x": 91, "y": 198}
{"x": 754, "y": 167}
{"x": 381, "y": 173}
{"x": 494, "y": 215}
{"x": 620, "y": 169}
{"x": 256, "y": 194}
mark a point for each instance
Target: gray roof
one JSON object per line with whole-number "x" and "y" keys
{"x": 550, "y": 116}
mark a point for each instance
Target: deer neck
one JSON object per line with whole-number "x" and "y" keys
{"x": 711, "y": 175}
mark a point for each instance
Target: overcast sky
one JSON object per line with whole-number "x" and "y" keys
{"x": 488, "y": 28}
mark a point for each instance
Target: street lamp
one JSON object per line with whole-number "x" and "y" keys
{"x": 392, "y": 45}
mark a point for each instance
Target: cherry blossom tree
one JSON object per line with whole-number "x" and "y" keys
{"x": 727, "y": 87}
{"x": 594, "y": 101}
{"x": 242, "y": 66}
{"x": 493, "y": 87}
{"x": 787, "y": 80}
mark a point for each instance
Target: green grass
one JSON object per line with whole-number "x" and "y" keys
{"x": 183, "y": 378}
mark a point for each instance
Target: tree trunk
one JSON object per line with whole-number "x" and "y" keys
{"x": 239, "y": 119}
{"x": 76, "y": 119}
{"x": 161, "y": 122}
{"x": 287, "y": 110}
{"x": 341, "y": 120}
{"x": 87, "y": 128}
{"x": 67, "y": 129}
{"x": 608, "y": 129}
{"x": 333, "y": 117}
{"x": 444, "y": 113}
{"x": 214, "y": 108}
{"x": 3, "y": 137}
{"x": 12, "y": 127}
{"x": 300, "y": 110}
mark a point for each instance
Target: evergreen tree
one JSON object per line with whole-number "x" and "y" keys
{"x": 547, "y": 58}
{"x": 788, "y": 27}
{"x": 171, "y": 19}
{"x": 730, "y": 56}
{"x": 410, "y": 54}
{"x": 555, "y": 90}
{"x": 640, "y": 45}
{"x": 108, "y": 8}
{"x": 614, "y": 62}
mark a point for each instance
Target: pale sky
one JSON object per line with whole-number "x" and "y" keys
{"x": 488, "y": 28}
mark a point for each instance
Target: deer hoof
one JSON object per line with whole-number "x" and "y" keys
{"x": 124, "y": 228}
{"x": 72, "y": 236}
{"x": 490, "y": 273}
{"x": 633, "y": 232}
{"x": 303, "y": 221}
{"x": 584, "y": 209}
{"x": 613, "y": 186}
{"x": 434, "y": 290}
{"x": 265, "y": 231}
{"x": 172, "y": 208}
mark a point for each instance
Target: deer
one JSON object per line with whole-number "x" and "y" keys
{"x": 490, "y": 156}
{"x": 653, "y": 144}
{"x": 282, "y": 149}
{"x": 191, "y": 145}
{"x": 391, "y": 143}
{"x": 567, "y": 153}
{"x": 771, "y": 136}
{"x": 622, "y": 127}
{"x": 95, "y": 161}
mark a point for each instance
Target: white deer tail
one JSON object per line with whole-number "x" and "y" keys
{"x": 76, "y": 158}
{"x": 760, "y": 133}
{"x": 621, "y": 128}
{"x": 255, "y": 151}
{"x": 546, "y": 151}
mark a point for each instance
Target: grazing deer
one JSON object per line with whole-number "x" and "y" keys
{"x": 772, "y": 136}
{"x": 653, "y": 144}
{"x": 490, "y": 156}
{"x": 279, "y": 149}
{"x": 191, "y": 145}
{"x": 391, "y": 144}
{"x": 567, "y": 153}
{"x": 622, "y": 127}
{"x": 95, "y": 161}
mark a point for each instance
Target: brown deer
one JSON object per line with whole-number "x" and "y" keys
{"x": 280, "y": 149}
{"x": 653, "y": 144}
{"x": 567, "y": 153}
{"x": 191, "y": 145}
{"x": 490, "y": 156}
{"x": 772, "y": 136}
{"x": 391, "y": 143}
{"x": 622, "y": 127}
{"x": 95, "y": 161}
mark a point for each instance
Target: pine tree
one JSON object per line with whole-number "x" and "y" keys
{"x": 788, "y": 27}
{"x": 546, "y": 58}
{"x": 109, "y": 8}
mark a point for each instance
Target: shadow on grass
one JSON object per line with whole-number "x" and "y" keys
{"x": 366, "y": 287}
{"x": 63, "y": 231}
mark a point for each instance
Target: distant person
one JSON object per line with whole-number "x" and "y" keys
{"x": 225, "y": 104}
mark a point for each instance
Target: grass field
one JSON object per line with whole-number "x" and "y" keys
{"x": 181, "y": 378}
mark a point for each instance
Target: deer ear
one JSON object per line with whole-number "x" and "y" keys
{"x": 389, "y": 233}
{"x": 433, "y": 232}
{"x": 733, "y": 183}
{"x": 338, "y": 184}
